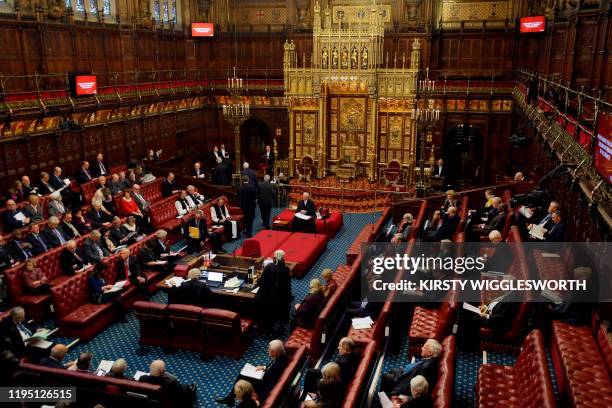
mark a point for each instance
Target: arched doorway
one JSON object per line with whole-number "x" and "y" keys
{"x": 255, "y": 135}
{"x": 463, "y": 154}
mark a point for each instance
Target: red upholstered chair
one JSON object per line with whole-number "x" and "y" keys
{"x": 154, "y": 325}
{"x": 226, "y": 333}
{"x": 251, "y": 248}
{"x": 36, "y": 306}
{"x": 442, "y": 393}
{"x": 186, "y": 329}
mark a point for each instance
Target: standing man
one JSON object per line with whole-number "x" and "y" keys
{"x": 269, "y": 156}
{"x": 221, "y": 173}
{"x": 266, "y": 200}
{"x": 247, "y": 196}
{"x": 246, "y": 171}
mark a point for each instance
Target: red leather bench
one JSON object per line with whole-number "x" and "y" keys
{"x": 604, "y": 341}
{"x": 152, "y": 191}
{"x": 304, "y": 249}
{"x": 278, "y": 395}
{"x": 356, "y": 388}
{"x": 163, "y": 214}
{"x": 435, "y": 323}
{"x": 583, "y": 377}
{"x": 329, "y": 227}
{"x": 77, "y": 317}
{"x": 93, "y": 389}
{"x": 418, "y": 220}
{"x": 269, "y": 241}
{"x": 186, "y": 327}
{"x": 442, "y": 394}
{"x": 526, "y": 384}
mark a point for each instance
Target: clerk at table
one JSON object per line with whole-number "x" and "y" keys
{"x": 306, "y": 207}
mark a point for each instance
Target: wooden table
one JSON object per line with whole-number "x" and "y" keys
{"x": 280, "y": 225}
{"x": 230, "y": 265}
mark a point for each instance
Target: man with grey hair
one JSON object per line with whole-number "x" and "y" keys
{"x": 221, "y": 173}
{"x": 250, "y": 173}
{"x": 93, "y": 250}
{"x": 118, "y": 369}
{"x": 196, "y": 197}
{"x": 52, "y": 235}
{"x": 170, "y": 386}
{"x": 192, "y": 291}
{"x": 397, "y": 381}
{"x": 272, "y": 373}
{"x": 16, "y": 335}
{"x": 265, "y": 199}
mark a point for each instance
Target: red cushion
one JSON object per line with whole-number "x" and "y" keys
{"x": 329, "y": 227}
{"x": 85, "y": 313}
{"x": 269, "y": 241}
{"x": 304, "y": 249}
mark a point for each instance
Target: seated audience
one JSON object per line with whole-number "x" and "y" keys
{"x": 101, "y": 292}
{"x": 557, "y": 231}
{"x": 34, "y": 281}
{"x": 405, "y": 227}
{"x": 397, "y": 380}
{"x": 330, "y": 389}
{"x": 183, "y": 204}
{"x": 307, "y": 312}
{"x": 13, "y": 218}
{"x": 168, "y": 186}
{"x": 68, "y": 228}
{"x": 98, "y": 168}
{"x": 272, "y": 373}
{"x": 36, "y": 239}
{"x": 28, "y": 187}
{"x": 16, "y": 335}
{"x": 305, "y": 207}
{"x": 197, "y": 198}
{"x": 106, "y": 240}
{"x": 181, "y": 395}
{"x": 329, "y": 285}
{"x": 118, "y": 369}
{"x": 58, "y": 352}
{"x": 501, "y": 258}
{"x": 115, "y": 185}
{"x": 493, "y": 223}
{"x": 128, "y": 268}
{"x": 447, "y": 228}
{"x": 118, "y": 234}
{"x": 44, "y": 186}
{"x": 19, "y": 248}
{"x": 519, "y": 176}
{"x": 450, "y": 201}
{"x": 243, "y": 390}
{"x": 83, "y": 363}
{"x": 93, "y": 250}
{"x": 84, "y": 175}
{"x": 6, "y": 260}
{"x": 71, "y": 259}
{"x": 128, "y": 206}
{"x": 150, "y": 261}
{"x": 52, "y": 234}
{"x": 124, "y": 183}
{"x": 56, "y": 205}
{"x": 141, "y": 202}
{"x": 80, "y": 222}
{"x": 347, "y": 361}
{"x": 33, "y": 210}
{"x": 98, "y": 216}
{"x": 220, "y": 215}
{"x": 192, "y": 291}
{"x": 130, "y": 227}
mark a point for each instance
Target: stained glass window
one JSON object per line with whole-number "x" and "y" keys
{"x": 107, "y": 7}
{"x": 93, "y": 6}
{"x": 156, "y": 11}
{"x": 166, "y": 17}
{"x": 80, "y": 5}
{"x": 173, "y": 10}
{"x": 67, "y": 2}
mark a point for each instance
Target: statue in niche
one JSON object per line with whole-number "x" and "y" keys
{"x": 411, "y": 9}
{"x": 354, "y": 58}
{"x": 56, "y": 9}
{"x": 302, "y": 18}
{"x": 204, "y": 8}
{"x": 335, "y": 58}
{"x": 364, "y": 58}
{"x": 344, "y": 59}
{"x": 324, "y": 59}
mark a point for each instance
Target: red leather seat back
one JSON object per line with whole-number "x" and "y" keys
{"x": 186, "y": 328}
{"x": 532, "y": 379}
{"x": 152, "y": 191}
{"x": 251, "y": 248}
{"x": 221, "y": 323}
{"x": 88, "y": 190}
{"x": 354, "y": 394}
{"x": 418, "y": 220}
{"x": 49, "y": 263}
{"x": 163, "y": 211}
{"x": 604, "y": 341}
{"x": 153, "y": 318}
{"x": 14, "y": 282}
{"x": 70, "y": 294}
{"x": 442, "y": 393}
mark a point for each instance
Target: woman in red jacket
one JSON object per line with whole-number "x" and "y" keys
{"x": 127, "y": 206}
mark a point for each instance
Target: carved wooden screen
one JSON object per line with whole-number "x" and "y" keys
{"x": 348, "y": 127}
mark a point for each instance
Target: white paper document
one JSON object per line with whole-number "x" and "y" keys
{"x": 537, "y": 231}
{"x": 255, "y": 290}
{"x": 385, "y": 402}
{"x": 250, "y": 371}
{"x": 19, "y": 216}
{"x": 526, "y": 212}
{"x": 552, "y": 296}
{"x": 175, "y": 281}
{"x": 303, "y": 216}
{"x": 104, "y": 367}
{"x": 360, "y": 323}
{"x": 42, "y": 344}
{"x": 139, "y": 374}
{"x": 471, "y": 308}
{"x": 233, "y": 283}
{"x": 550, "y": 255}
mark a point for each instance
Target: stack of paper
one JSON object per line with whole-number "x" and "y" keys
{"x": 537, "y": 231}
{"x": 139, "y": 374}
{"x": 250, "y": 371}
{"x": 550, "y": 255}
{"x": 303, "y": 216}
{"x": 233, "y": 283}
{"x": 361, "y": 323}
{"x": 552, "y": 296}
{"x": 117, "y": 286}
{"x": 175, "y": 281}
{"x": 104, "y": 367}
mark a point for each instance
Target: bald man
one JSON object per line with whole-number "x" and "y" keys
{"x": 182, "y": 395}
{"x": 58, "y": 352}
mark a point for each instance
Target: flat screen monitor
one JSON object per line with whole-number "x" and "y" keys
{"x": 603, "y": 146}
{"x": 85, "y": 85}
{"x": 533, "y": 24}
{"x": 202, "y": 29}
{"x": 215, "y": 276}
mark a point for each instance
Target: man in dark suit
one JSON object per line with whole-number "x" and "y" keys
{"x": 557, "y": 231}
{"x": 216, "y": 154}
{"x": 56, "y": 180}
{"x": 273, "y": 371}
{"x": 27, "y": 186}
{"x": 160, "y": 247}
{"x": 181, "y": 395}
{"x": 98, "y": 218}
{"x": 84, "y": 175}
{"x": 191, "y": 292}
{"x": 197, "y": 171}
{"x": 250, "y": 173}
{"x": 69, "y": 230}
{"x": 58, "y": 352}
{"x": 128, "y": 268}
{"x": 450, "y": 221}
{"x": 33, "y": 210}
{"x": 266, "y": 200}
{"x": 305, "y": 207}
{"x": 93, "y": 250}
{"x": 348, "y": 361}
{"x": 52, "y": 234}
{"x": 397, "y": 380}
{"x": 495, "y": 223}
{"x": 269, "y": 158}
{"x": 99, "y": 168}
{"x": 247, "y": 196}
{"x": 39, "y": 245}
{"x": 71, "y": 259}
{"x": 440, "y": 172}
{"x": 15, "y": 335}
{"x": 221, "y": 173}
{"x": 12, "y": 218}
{"x": 119, "y": 235}
{"x": 19, "y": 248}
{"x": 168, "y": 186}
{"x": 196, "y": 233}
{"x": 141, "y": 201}
{"x": 44, "y": 185}
{"x": 6, "y": 260}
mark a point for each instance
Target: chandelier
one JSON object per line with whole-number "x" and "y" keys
{"x": 236, "y": 112}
